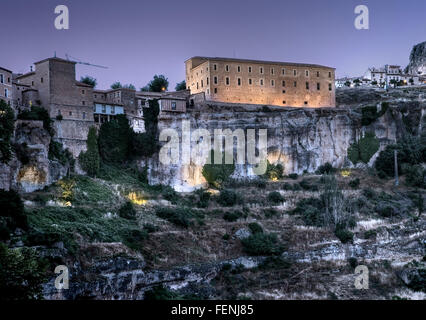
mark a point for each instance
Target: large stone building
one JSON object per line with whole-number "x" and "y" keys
{"x": 390, "y": 74}
{"x": 261, "y": 82}
{"x": 6, "y": 85}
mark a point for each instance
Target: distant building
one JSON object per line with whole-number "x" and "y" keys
{"x": 261, "y": 82}
{"x": 6, "y": 85}
{"x": 390, "y": 74}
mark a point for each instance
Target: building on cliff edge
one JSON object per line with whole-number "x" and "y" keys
{"x": 261, "y": 82}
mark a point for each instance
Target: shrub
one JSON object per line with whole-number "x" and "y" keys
{"x": 204, "y": 198}
{"x": 275, "y": 197}
{"x": 90, "y": 159}
{"x": 274, "y": 263}
{"x": 12, "y": 208}
{"x": 416, "y": 176}
{"x": 293, "y": 176}
{"x": 270, "y": 212}
{"x": 150, "y": 228}
{"x": 133, "y": 238}
{"x": 59, "y": 117}
{"x": 255, "y": 228}
{"x": 364, "y": 149}
{"x": 41, "y": 114}
{"x": 370, "y": 114}
{"x": 226, "y": 237}
{"x": 261, "y": 183}
{"x": 369, "y": 193}
{"x": 262, "y": 244}
{"x": 353, "y": 262}
{"x": 114, "y": 140}
{"x": 179, "y": 216}
{"x": 370, "y": 234}
{"x": 22, "y": 274}
{"x": 344, "y": 235}
{"x": 274, "y": 171}
{"x": 305, "y": 184}
{"x": 217, "y": 174}
{"x": 170, "y": 194}
{"x": 354, "y": 183}
{"x": 385, "y": 209}
{"x": 160, "y": 293}
{"x": 232, "y": 216}
{"x": 127, "y": 211}
{"x": 287, "y": 186}
{"x": 227, "y": 198}
{"x": 326, "y": 168}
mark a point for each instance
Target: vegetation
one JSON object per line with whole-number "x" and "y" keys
{"x": 7, "y": 125}
{"x": 116, "y": 85}
{"x": 89, "y": 80}
{"x": 22, "y": 274}
{"x": 127, "y": 211}
{"x": 115, "y": 139}
{"x": 354, "y": 183}
{"x": 158, "y": 84}
{"x": 370, "y": 114}
{"x": 275, "y": 197}
{"x": 364, "y": 149}
{"x": 274, "y": 171}
{"x": 261, "y": 243}
{"x": 227, "y": 198}
{"x": 183, "y": 217}
{"x": 181, "y": 86}
{"x": 326, "y": 168}
{"x": 41, "y": 114}
{"x": 90, "y": 159}
{"x": 217, "y": 174}
{"x": 12, "y": 214}
{"x": 57, "y": 151}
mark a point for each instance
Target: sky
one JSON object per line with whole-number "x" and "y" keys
{"x": 136, "y": 39}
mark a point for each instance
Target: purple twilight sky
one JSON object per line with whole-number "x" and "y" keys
{"x": 137, "y": 39}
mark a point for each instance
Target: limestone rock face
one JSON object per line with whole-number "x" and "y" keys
{"x": 299, "y": 139}
{"x": 417, "y": 63}
{"x": 39, "y": 171}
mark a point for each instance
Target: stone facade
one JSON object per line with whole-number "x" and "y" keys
{"x": 6, "y": 85}
{"x": 261, "y": 82}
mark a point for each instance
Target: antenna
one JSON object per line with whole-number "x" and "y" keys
{"x": 69, "y": 58}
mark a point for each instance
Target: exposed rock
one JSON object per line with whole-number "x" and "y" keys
{"x": 417, "y": 63}
{"x": 242, "y": 233}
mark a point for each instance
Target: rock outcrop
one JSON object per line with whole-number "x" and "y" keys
{"x": 38, "y": 171}
{"x": 300, "y": 139}
{"x": 417, "y": 63}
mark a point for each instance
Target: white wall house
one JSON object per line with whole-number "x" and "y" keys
{"x": 384, "y": 76}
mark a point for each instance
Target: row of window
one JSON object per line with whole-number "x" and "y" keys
{"x": 261, "y": 83}
{"x": 271, "y": 70}
{"x": 70, "y": 114}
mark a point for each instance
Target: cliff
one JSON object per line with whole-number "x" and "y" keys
{"x": 417, "y": 63}
{"x": 30, "y": 168}
{"x": 300, "y": 139}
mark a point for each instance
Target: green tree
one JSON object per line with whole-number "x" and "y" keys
{"x": 89, "y": 80}
{"x": 90, "y": 159}
{"x": 22, "y": 274}
{"x": 180, "y": 86}
{"x": 217, "y": 174}
{"x": 129, "y": 86}
{"x": 7, "y": 126}
{"x": 115, "y": 140}
{"x": 116, "y": 85}
{"x": 364, "y": 149}
{"x": 159, "y": 84}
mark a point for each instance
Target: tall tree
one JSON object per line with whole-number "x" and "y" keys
{"x": 115, "y": 140}
{"x": 116, "y": 85}
{"x": 90, "y": 160}
{"x": 7, "y": 123}
{"x": 180, "y": 86}
{"x": 159, "y": 84}
{"x": 89, "y": 80}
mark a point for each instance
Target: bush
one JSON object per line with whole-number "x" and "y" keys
{"x": 150, "y": 228}
{"x": 310, "y": 210}
{"x": 370, "y": 114}
{"x": 293, "y": 176}
{"x": 353, "y": 262}
{"x": 160, "y": 293}
{"x": 90, "y": 159}
{"x": 227, "y": 198}
{"x": 416, "y": 176}
{"x": 179, "y": 216}
{"x": 305, "y": 184}
{"x": 170, "y": 194}
{"x": 255, "y": 228}
{"x": 275, "y": 197}
{"x": 369, "y": 193}
{"x": 133, "y": 238}
{"x": 217, "y": 174}
{"x": 115, "y": 140}
{"x": 204, "y": 198}
{"x": 127, "y": 211}
{"x": 344, "y": 235}
{"x": 370, "y": 234}
{"x": 262, "y": 244}
{"x": 364, "y": 149}
{"x": 270, "y": 212}
{"x": 59, "y": 117}
{"x": 385, "y": 209}
{"x": 326, "y": 168}
{"x": 232, "y": 216}
{"x": 41, "y": 114}
{"x": 274, "y": 171}
{"x": 12, "y": 208}
{"x": 22, "y": 274}
{"x": 354, "y": 183}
